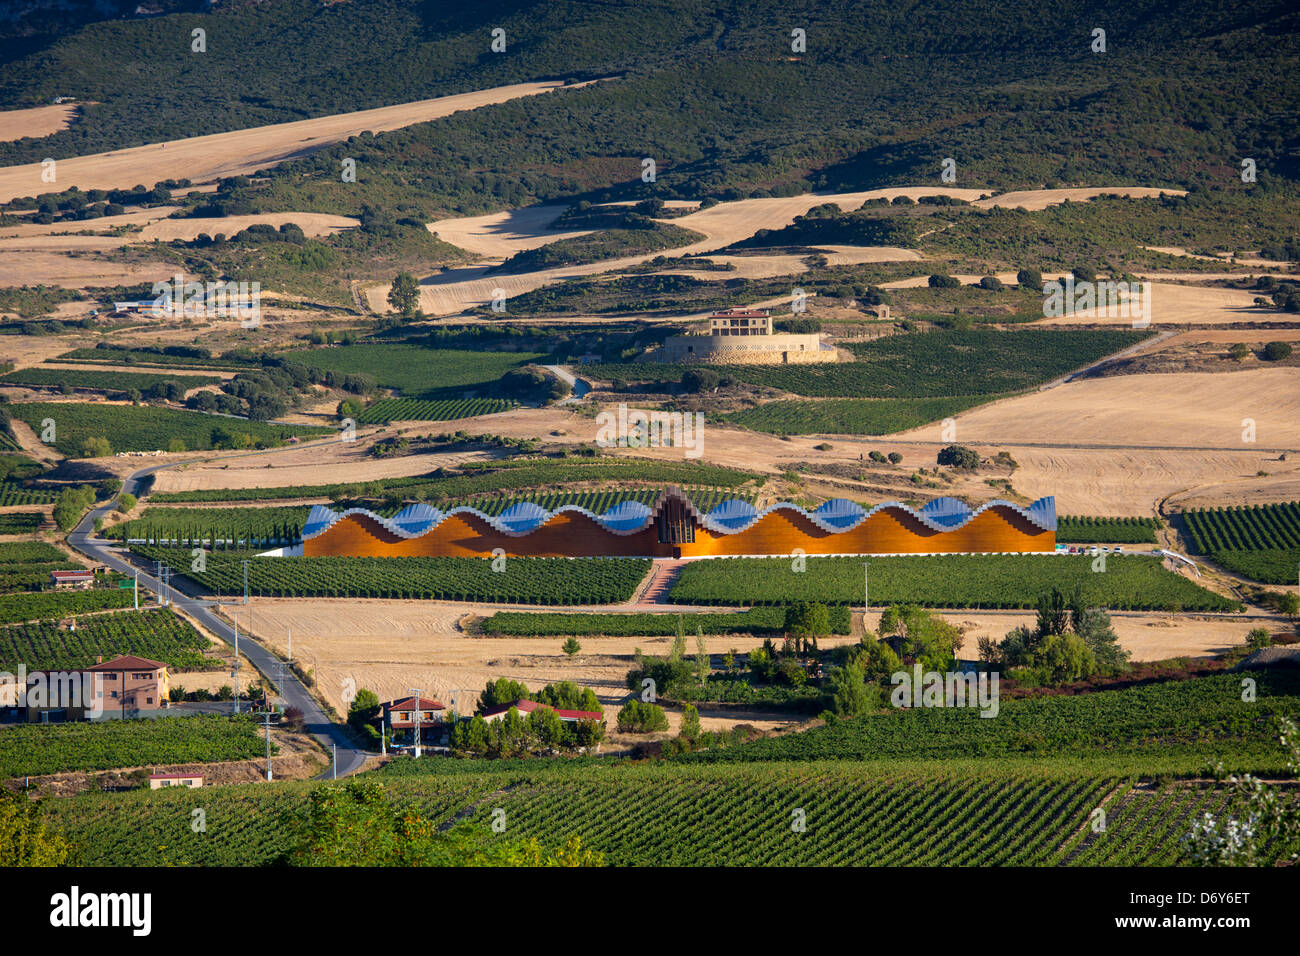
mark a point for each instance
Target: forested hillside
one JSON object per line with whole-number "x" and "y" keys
{"x": 713, "y": 92}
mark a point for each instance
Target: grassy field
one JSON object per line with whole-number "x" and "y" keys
{"x": 1132, "y": 582}
{"x": 146, "y": 428}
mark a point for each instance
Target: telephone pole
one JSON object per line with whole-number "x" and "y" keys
{"x": 234, "y": 670}
{"x": 245, "y": 582}
{"x": 415, "y": 694}
{"x": 268, "y": 741}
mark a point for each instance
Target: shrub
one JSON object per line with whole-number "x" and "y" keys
{"x": 641, "y": 717}
{"x": 958, "y": 456}
{"x": 944, "y": 282}
{"x": 1029, "y": 279}
{"x": 1275, "y": 351}
{"x": 991, "y": 283}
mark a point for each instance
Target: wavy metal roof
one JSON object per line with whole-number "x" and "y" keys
{"x": 729, "y": 517}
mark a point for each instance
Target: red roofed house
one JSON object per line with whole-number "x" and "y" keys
{"x": 528, "y": 706}
{"x": 132, "y": 683}
{"x": 119, "y": 688}
{"x": 72, "y": 579}
{"x": 400, "y": 715}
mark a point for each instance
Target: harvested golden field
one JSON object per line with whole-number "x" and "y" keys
{"x": 240, "y": 152}
{"x": 36, "y": 122}
{"x": 1034, "y": 199}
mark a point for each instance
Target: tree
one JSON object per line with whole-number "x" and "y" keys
{"x": 1239, "y": 350}
{"x": 126, "y": 502}
{"x": 571, "y": 646}
{"x": 991, "y": 283}
{"x": 943, "y": 282}
{"x": 690, "y": 726}
{"x": 894, "y": 457}
{"x": 959, "y": 456}
{"x": 24, "y": 840}
{"x": 1085, "y": 274}
{"x": 806, "y": 618}
{"x": 404, "y": 296}
{"x": 700, "y": 380}
{"x": 95, "y": 446}
{"x": 363, "y": 712}
{"x": 849, "y": 690}
{"x": 641, "y": 717}
{"x": 1289, "y": 604}
{"x": 1029, "y": 279}
{"x": 702, "y": 663}
{"x": 1276, "y": 351}
{"x": 1258, "y": 637}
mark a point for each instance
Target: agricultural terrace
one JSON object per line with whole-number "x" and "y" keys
{"x": 1130, "y": 582}
{"x": 524, "y": 580}
{"x": 1261, "y": 542}
{"x": 154, "y": 633}
{"x": 20, "y": 522}
{"x": 146, "y": 428}
{"x": 93, "y": 380}
{"x": 759, "y": 620}
{"x": 44, "y": 605}
{"x": 481, "y": 478}
{"x": 33, "y": 749}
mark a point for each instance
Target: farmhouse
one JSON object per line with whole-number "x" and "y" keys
{"x": 528, "y": 706}
{"x": 674, "y": 528}
{"x": 745, "y": 337}
{"x": 158, "y": 781}
{"x": 120, "y": 687}
{"x": 80, "y": 579}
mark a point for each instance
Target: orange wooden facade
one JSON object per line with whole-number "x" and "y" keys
{"x": 891, "y": 530}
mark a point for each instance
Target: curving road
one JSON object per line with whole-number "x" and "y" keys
{"x": 295, "y": 694}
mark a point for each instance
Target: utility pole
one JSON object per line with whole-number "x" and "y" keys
{"x": 268, "y": 742}
{"x": 136, "y": 592}
{"x": 336, "y": 761}
{"x": 415, "y": 699}
{"x": 245, "y": 582}
{"x": 234, "y": 670}
{"x": 383, "y": 738}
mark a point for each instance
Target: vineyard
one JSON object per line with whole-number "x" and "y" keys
{"x": 673, "y": 815}
{"x": 12, "y": 493}
{"x": 1200, "y": 719}
{"x": 107, "y": 354}
{"x": 388, "y": 410}
{"x": 1090, "y": 530}
{"x": 851, "y": 416}
{"x": 524, "y": 580}
{"x": 147, "y": 428}
{"x": 413, "y": 370}
{"x": 32, "y": 749}
{"x": 26, "y": 565}
{"x": 42, "y": 606}
{"x": 1130, "y": 582}
{"x": 1261, "y": 542}
{"x": 759, "y": 620}
{"x": 488, "y": 477}
{"x": 20, "y": 522}
{"x": 157, "y": 634}
{"x": 99, "y": 381}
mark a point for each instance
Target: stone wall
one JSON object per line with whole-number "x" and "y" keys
{"x": 781, "y": 348}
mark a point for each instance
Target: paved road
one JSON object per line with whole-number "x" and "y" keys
{"x": 350, "y": 757}
{"x": 580, "y": 387}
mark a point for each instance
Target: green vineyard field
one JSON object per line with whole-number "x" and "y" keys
{"x": 55, "y": 604}
{"x": 12, "y": 493}
{"x": 1260, "y": 542}
{"x": 31, "y": 749}
{"x": 851, "y": 416}
{"x": 759, "y": 620}
{"x": 20, "y": 522}
{"x": 145, "y": 428}
{"x": 102, "y": 381}
{"x": 436, "y": 410}
{"x": 1130, "y": 582}
{"x": 155, "y": 633}
{"x": 524, "y": 581}
{"x": 1089, "y": 530}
